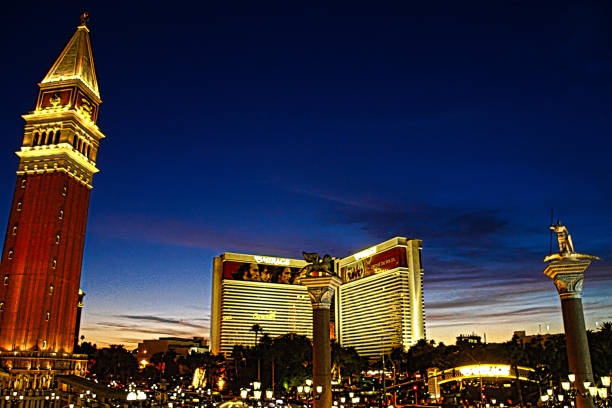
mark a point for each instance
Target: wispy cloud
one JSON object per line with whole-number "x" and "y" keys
{"x": 158, "y": 319}
{"x": 137, "y": 327}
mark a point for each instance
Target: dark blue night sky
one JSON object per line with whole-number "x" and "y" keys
{"x": 270, "y": 128}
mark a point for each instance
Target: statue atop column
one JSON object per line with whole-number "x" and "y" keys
{"x": 566, "y": 246}
{"x": 564, "y": 238}
{"x": 317, "y": 266}
{"x": 566, "y": 268}
{"x": 321, "y": 280}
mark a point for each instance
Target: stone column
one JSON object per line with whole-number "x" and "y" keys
{"x": 568, "y": 276}
{"x": 321, "y": 290}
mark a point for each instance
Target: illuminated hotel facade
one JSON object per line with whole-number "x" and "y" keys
{"x": 378, "y": 307}
{"x": 241, "y": 299}
{"x": 380, "y": 304}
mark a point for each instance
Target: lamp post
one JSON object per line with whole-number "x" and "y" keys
{"x": 310, "y": 393}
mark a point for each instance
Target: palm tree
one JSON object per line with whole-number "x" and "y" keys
{"x": 256, "y": 328}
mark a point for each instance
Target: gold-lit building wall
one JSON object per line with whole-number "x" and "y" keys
{"x": 382, "y": 311}
{"x": 237, "y": 305}
{"x": 278, "y": 309}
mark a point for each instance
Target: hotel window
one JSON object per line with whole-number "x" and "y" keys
{"x": 15, "y": 229}
{"x": 47, "y": 316}
{"x": 61, "y": 214}
{"x": 51, "y": 289}
{"x": 54, "y": 263}
{"x": 10, "y": 254}
{"x": 6, "y": 280}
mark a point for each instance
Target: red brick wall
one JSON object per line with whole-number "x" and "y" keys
{"x": 23, "y": 323}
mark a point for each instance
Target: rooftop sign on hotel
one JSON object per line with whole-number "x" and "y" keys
{"x": 271, "y": 260}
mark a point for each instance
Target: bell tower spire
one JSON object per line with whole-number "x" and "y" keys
{"x": 42, "y": 256}
{"x": 76, "y": 60}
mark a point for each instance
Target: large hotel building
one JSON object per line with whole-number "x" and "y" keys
{"x": 378, "y": 307}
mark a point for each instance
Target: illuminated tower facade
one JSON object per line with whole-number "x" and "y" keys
{"x": 43, "y": 248}
{"x": 380, "y": 306}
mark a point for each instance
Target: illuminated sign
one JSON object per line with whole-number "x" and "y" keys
{"x": 268, "y": 316}
{"x": 365, "y": 253}
{"x": 370, "y": 262}
{"x": 485, "y": 370}
{"x": 271, "y": 260}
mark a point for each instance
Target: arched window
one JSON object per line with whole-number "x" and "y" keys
{"x": 88, "y": 151}
{"x": 19, "y": 206}
{"x": 58, "y": 238}
{"x": 23, "y": 183}
{"x": 35, "y": 140}
{"x": 49, "y": 137}
{"x": 11, "y": 253}
{"x": 6, "y": 280}
{"x": 47, "y": 316}
{"x": 74, "y": 141}
{"x": 56, "y": 138}
{"x": 1, "y": 306}
{"x": 54, "y": 263}
{"x": 61, "y": 214}
{"x": 51, "y": 288}
{"x": 15, "y": 229}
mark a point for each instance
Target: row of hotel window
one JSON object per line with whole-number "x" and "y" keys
{"x": 53, "y": 137}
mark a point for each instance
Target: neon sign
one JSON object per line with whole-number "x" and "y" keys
{"x": 365, "y": 253}
{"x": 485, "y": 370}
{"x": 268, "y": 316}
{"x": 271, "y": 260}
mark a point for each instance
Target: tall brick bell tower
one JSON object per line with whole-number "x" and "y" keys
{"x": 40, "y": 269}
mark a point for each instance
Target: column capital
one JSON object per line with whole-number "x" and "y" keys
{"x": 321, "y": 290}
{"x": 568, "y": 276}
{"x": 569, "y": 285}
